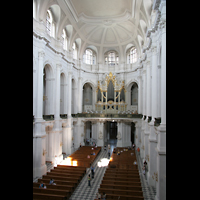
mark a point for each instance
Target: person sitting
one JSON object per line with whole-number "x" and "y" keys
{"x": 88, "y": 156}
{"x": 104, "y": 196}
{"x": 118, "y": 153}
{"x": 93, "y": 153}
{"x": 41, "y": 185}
{"x": 135, "y": 162}
{"x": 51, "y": 181}
{"x": 98, "y": 196}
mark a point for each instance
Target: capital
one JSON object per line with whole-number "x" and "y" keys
{"x": 162, "y": 24}
{"x": 70, "y": 73}
{"x": 41, "y": 54}
{"x": 58, "y": 65}
{"x": 154, "y": 50}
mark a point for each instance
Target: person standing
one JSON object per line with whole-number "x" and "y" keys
{"x": 89, "y": 180}
{"x": 92, "y": 170}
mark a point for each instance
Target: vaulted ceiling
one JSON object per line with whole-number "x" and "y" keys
{"x": 103, "y": 23}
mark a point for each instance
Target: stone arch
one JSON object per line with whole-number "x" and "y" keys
{"x": 48, "y": 82}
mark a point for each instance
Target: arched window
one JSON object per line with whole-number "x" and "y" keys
{"x": 64, "y": 39}
{"x": 111, "y": 58}
{"x": 48, "y": 22}
{"x": 50, "y": 27}
{"x": 132, "y": 55}
{"x": 74, "y": 50}
{"x": 89, "y": 57}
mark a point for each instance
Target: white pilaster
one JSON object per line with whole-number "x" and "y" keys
{"x": 69, "y": 94}
{"x": 39, "y": 150}
{"x": 100, "y": 131}
{"x": 148, "y": 90}
{"x": 80, "y": 94}
{"x": 161, "y": 145}
{"x": 57, "y": 106}
{"x": 39, "y": 98}
{"x": 154, "y": 83}
{"x": 140, "y": 94}
{"x": 119, "y": 134}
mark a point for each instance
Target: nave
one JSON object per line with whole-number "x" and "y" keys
{"x": 83, "y": 191}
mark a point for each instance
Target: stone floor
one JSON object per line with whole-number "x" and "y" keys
{"x": 83, "y": 191}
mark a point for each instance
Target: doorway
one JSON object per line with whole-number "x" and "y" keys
{"x": 132, "y": 132}
{"x": 112, "y": 133}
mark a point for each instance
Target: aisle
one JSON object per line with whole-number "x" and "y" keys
{"x": 149, "y": 192}
{"x": 83, "y": 191}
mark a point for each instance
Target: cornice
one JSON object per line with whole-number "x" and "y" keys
{"x": 36, "y": 35}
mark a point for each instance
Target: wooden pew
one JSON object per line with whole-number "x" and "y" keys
{"x": 120, "y": 192}
{"x": 130, "y": 180}
{"x": 123, "y": 187}
{"x": 66, "y": 177}
{"x": 60, "y": 178}
{"x": 65, "y": 193}
{"x": 123, "y": 197}
{"x": 120, "y": 182}
{"x": 59, "y": 187}
{"x": 46, "y": 181}
{"x": 48, "y": 196}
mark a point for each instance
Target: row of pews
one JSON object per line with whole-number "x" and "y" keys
{"x": 81, "y": 155}
{"x": 121, "y": 179}
{"x": 66, "y": 177}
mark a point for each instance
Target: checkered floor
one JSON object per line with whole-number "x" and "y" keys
{"x": 83, "y": 191}
{"x": 149, "y": 192}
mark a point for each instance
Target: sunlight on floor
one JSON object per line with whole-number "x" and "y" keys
{"x": 68, "y": 161}
{"x": 103, "y": 162}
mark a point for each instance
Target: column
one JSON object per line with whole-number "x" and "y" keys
{"x": 39, "y": 150}
{"x": 152, "y": 136}
{"x": 144, "y": 114}
{"x": 69, "y": 94}
{"x": 119, "y": 133}
{"x": 94, "y": 129}
{"x": 67, "y": 138}
{"x": 80, "y": 93}
{"x": 148, "y": 113}
{"x": 163, "y": 76}
{"x": 39, "y": 98}
{"x": 57, "y": 135}
{"x": 148, "y": 90}
{"x": 154, "y": 83}
{"x": 57, "y": 99}
{"x": 100, "y": 131}
{"x": 127, "y": 134}
{"x": 65, "y": 99}
{"x": 144, "y": 92}
{"x": 140, "y": 94}
{"x": 161, "y": 145}
{"x": 137, "y": 134}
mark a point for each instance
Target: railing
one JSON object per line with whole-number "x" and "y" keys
{"x": 108, "y": 115}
